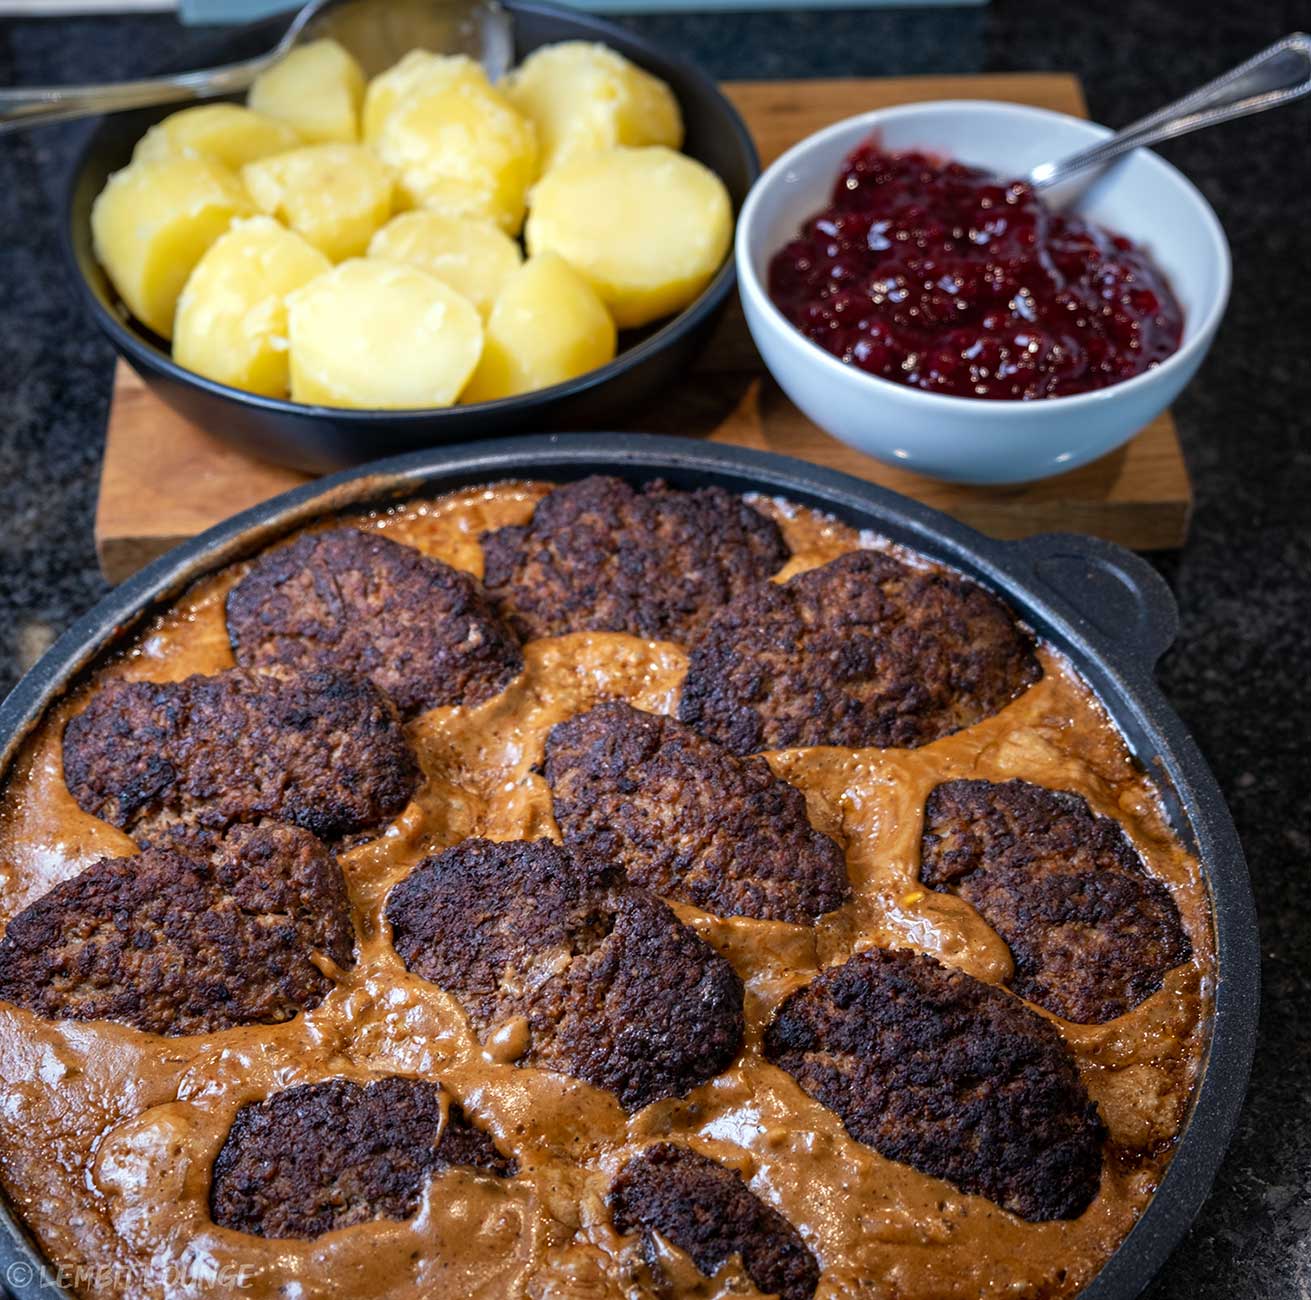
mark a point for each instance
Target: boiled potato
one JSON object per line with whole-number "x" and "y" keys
{"x": 647, "y": 227}
{"x": 416, "y": 71}
{"x": 335, "y": 195}
{"x": 458, "y": 148}
{"x": 226, "y": 133}
{"x": 380, "y": 335}
{"x": 318, "y": 89}
{"x": 475, "y": 258}
{"x": 152, "y": 223}
{"x": 583, "y": 98}
{"x": 231, "y": 321}
{"x": 548, "y": 325}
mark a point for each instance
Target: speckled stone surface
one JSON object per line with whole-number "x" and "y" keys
{"x": 1239, "y": 672}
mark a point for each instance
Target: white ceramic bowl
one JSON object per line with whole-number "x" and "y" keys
{"x": 961, "y": 439}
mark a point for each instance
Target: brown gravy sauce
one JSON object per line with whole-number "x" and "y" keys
{"x": 107, "y": 1134}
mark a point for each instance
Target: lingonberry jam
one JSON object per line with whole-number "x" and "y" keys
{"x": 942, "y": 277}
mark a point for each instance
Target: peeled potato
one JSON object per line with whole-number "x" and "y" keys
{"x": 584, "y": 98}
{"x": 318, "y": 89}
{"x": 458, "y": 148}
{"x": 335, "y": 195}
{"x": 647, "y": 227}
{"x": 380, "y": 335}
{"x": 225, "y": 133}
{"x": 475, "y": 258}
{"x": 418, "y": 70}
{"x": 548, "y": 325}
{"x": 152, "y": 223}
{"x": 232, "y": 316}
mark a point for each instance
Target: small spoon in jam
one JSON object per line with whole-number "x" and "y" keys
{"x": 376, "y": 32}
{"x": 1277, "y": 75}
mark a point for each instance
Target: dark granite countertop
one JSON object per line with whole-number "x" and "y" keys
{"x": 1238, "y": 673}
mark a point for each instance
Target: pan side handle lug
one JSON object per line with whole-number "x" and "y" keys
{"x": 1115, "y": 591}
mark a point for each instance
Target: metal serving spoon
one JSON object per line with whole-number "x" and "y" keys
{"x": 376, "y": 32}
{"x": 1276, "y": 76}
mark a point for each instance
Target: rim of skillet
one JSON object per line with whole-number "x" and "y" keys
{"x": 130, "y": 342}
{"x": 1118, "y": 671}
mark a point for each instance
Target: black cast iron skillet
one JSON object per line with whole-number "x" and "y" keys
{"x": 322, "y": 438}
{"x": 1103, "y": 607}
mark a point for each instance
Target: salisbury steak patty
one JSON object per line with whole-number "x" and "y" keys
{"x": 862, "y": 651}
{"x": 613, "y": 987}
{"x": 321, "y": 750}
{"x": 185, "y": 939}
{"x": 709, "y": 1212}
{"x": 949, "y": 1075}
{"x": 599, "y": 556}
{"x": 687, "y": 819}
{"x": 325, "y": 1155}
{"x": 359, "y": 602}
{"x": 1091, "y": 933}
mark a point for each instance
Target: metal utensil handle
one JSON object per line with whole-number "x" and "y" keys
{"x": 26, "y": 106}
{"x": 1277, "y": 75}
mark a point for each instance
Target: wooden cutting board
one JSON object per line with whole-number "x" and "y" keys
{"x": 164, "y": 479}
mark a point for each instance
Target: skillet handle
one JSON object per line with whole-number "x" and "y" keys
{"x": 1119, "y": 593}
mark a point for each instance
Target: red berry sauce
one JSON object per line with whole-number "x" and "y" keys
{"x": 942, "y": 277}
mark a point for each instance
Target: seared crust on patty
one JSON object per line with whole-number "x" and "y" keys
{"x": 709, "y": 1212}
{"x": 861, "y": 651}
{"x": 954, "y": 1077}
{"x": 687, "y": 819}
{"x": 600, "y": 556}
{"x": 1091, "y": 933}
{"x": 358, "y": 602}
{"x": 185, "y": 938}
{"x": 613, "y": 987}
{"x": 320, "y": 750}
{"x": 322, "y": 1156}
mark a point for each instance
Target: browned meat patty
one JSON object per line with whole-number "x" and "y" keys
{"x": 709, "y": 1212}
{"x": 949, "y": 1075}
{"x": 599, "y": 556}
{"x": 1091, "y": 933}
{"x": 862, "y": 651}
{"x": 320, "y": 750}
{"x": 614, "y": 988}
{"x": 359, "y": 602}
{"x": 687, "y": 819}
{"x": 325, "y": 1155}
{"x": 187, "y": 938}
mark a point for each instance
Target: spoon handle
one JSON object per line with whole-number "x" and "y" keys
{"x": 25, "y": 106}
{"x": 1277, "y": 75}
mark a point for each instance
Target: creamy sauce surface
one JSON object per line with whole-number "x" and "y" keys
{"x": 108, "y": 1134}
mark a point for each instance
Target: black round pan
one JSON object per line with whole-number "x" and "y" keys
{"x": 1103, "y": 607}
